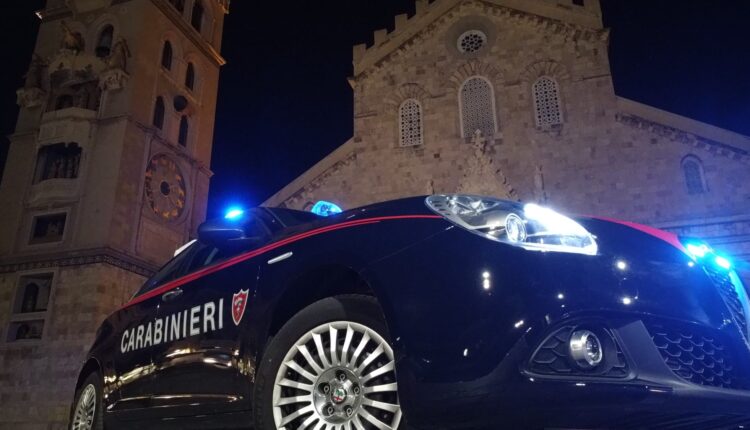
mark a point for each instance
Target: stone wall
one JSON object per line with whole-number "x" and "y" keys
{"x": 37, "y": 377}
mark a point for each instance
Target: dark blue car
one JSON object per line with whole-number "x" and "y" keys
{"x": 448, "y": 311}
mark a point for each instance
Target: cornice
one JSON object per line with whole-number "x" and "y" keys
{"x": 80, "y": 258}
{"x": 676, "y": 135}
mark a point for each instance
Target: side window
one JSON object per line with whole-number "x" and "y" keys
{"x": 175, "y": 268}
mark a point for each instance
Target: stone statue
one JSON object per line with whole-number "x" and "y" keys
{"x": 72, "y": 41}
{"x": 33, "y": 78}
{"x": 118, "y": 59}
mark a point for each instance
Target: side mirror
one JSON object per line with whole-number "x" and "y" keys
{"x": 219, "y": 232}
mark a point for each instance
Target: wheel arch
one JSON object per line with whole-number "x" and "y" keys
{"x": 92, "y": 365}
{"x": 329, "y": 280}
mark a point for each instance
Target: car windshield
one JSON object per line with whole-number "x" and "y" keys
{"x": 292, "y": 217}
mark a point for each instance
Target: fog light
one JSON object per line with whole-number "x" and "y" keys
{"x": 586, "y": 349}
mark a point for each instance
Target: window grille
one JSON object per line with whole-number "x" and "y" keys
{"x": 472, "y": 41}
{"x": 547, "y": 106}
{"x": 477, "y": 108}
{"x": 410, "y": 123}
{"x": 694, "y": 176}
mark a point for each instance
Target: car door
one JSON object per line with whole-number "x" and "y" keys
{"x": 133, "y": 363}
{"x": 200, "y": 365}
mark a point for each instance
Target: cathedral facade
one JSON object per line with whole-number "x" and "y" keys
{"x": 514, "y": 98}
{"x": 107, "y": 174}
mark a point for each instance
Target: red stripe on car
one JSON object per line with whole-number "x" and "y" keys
{"x": 270, "y": 247}
{"x": 666, "y": 236}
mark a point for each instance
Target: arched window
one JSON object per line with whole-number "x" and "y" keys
{"x": 197, "y": 18}
{"x": 166, "y": 56}
{"x": 184, "y": 128}
{"x": 547, "y": 105}
{"x": 477, "y": 105}
{"x": 695, "y": 179}
{"x": 104, "y": 42}
{"x": 159, "y": 113}
{"x": 30, "y": 297}
{"x": 410, "y": 123}
{"x": 190, "y": 77}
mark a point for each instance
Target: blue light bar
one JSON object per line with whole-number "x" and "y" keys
{"x": 698, "y": 250}
{"x": 234, "y": 213}
{"x": 723, "y": 262}
{"x": 324, "y": 208}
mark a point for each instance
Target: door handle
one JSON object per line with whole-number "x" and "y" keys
{"x": 171, "y": 295}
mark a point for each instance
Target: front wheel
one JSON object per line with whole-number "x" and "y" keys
{"x": 87, "y": 408}
{"x": 330, "y": 367}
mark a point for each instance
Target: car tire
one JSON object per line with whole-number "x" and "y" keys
{"x": 86, "y": 413}
{"x": 331, "y": 386}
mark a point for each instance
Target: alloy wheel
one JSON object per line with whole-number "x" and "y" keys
{"x": 83, "y": 418}
{"x": 337, "y": 376}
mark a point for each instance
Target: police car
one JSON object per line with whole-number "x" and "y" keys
{"x": 447, "y": 311}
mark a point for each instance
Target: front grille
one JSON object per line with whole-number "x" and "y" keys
{"x": 696, "y": 357}
{"x": 552, "y": 357}
{"x": 728, "y": 292}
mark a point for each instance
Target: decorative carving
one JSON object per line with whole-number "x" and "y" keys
{"x": 33, "y": 77}
{"x": 32, "y": 94}
{"x": 113, "y": 79}
{"x": 482, "y": 176}
{"x": 30, "y": 98}
{"x": 72, "y": 40}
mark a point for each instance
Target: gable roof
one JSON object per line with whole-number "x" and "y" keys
{"x": 555, "y": 12}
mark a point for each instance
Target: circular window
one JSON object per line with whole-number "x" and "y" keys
{"x": 472, "y": 41}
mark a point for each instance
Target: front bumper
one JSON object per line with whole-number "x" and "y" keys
{"x": 658, "y": 389}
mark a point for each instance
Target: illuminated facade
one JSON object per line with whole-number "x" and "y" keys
{"x": 515, "y": 99}
{"x": 107, "y": 174}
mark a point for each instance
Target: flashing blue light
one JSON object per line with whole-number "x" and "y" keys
{"x": 698, "y": 250}
{"x": 234, "y": 213}
{"x": 324, "y": 208}
{"x": 723, "y": 262}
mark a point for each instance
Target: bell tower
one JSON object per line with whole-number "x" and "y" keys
{"x": 107, "y": 174}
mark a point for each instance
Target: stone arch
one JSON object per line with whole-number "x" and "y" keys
{"x": 177, "y": 52}
{"x": 474, "y": 68}
{"x": 549, "y": 68}
{"x": 98, "y": 26}
{"x": 394, "y": 104}
{"x": 406, "y": 92}
{"x": 198, "y": 71}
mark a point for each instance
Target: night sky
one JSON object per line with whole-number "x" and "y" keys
{"x": 284, "y": 102}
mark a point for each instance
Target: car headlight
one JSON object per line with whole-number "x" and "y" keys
{"x": 528, "y": 226}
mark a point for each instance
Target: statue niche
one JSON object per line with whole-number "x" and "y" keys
{"x": 115, "y": 75}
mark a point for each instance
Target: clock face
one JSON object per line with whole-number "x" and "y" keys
{"x": 165, "y": 188}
